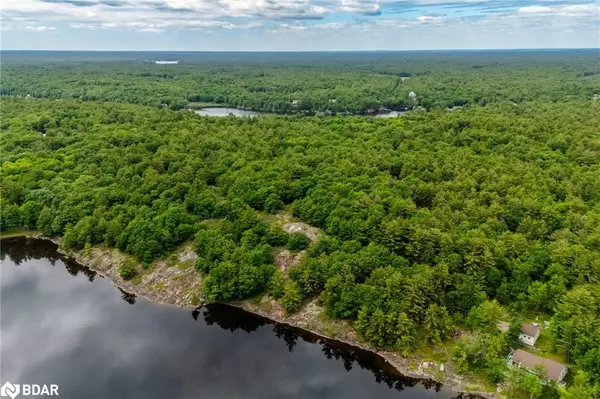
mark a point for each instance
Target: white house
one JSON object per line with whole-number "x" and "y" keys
{"x": 529, "y": 334}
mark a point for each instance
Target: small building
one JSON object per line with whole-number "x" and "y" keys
{"x": 295, "y": 102}
{"x": 166, "y": 62}
{"x": 529, "y": 334}
{"x": 553, "y": 370}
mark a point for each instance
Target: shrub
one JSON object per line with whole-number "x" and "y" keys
{"x": 128, "y": 270}
{"x": 292, "y": 297}
{"x": 277, "y": 285}
{"x": 298, "y": 241}
{"x": 276, "y": 237}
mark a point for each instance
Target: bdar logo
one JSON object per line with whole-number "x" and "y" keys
{"x": 14, "y": 390}
{"x": 11, "y": 390}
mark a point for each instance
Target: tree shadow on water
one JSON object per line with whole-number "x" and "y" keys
{"x": 232, "y": 319}
{"x": 21, "y": 249}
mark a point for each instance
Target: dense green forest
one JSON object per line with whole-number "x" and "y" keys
{"x": 431, "y": 220}
{"x": 288, "y": 83}
{"x": 432, "y": 223}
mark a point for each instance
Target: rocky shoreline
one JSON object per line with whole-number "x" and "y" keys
{"x": 175, "y": 282}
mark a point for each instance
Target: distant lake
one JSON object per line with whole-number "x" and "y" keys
{"x": 391, "y": 114}
{"x": 64, "y": 324}
{"x": 242, "y": 112}
{"x": 227, "y": 112}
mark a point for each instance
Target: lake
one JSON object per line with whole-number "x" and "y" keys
{"x": 242, "y": 112}
{"x": 64, "y": 324}
{"x": 390, "y": 114}
{"x": 227, "y": 112}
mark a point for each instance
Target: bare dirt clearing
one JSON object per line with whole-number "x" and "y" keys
{"x": 298, "y": 227}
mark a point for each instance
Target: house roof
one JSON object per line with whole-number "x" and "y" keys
{"x": 529, "y": 360}
{"x": 529, "y": 329}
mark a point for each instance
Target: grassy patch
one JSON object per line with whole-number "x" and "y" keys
{"x": 332, "y": 330}
{"x": 186, "y": 264}
{"x": 543, "y": 347}
{"x": 265, "y": 306}
{"x": 17, "y": 232}
{"x": 194, "y": 299}
{"x": 150, "y": 268}
{"x": 171, "y": 260}
{"x": 136, "y": 280}
{"x": 269, "y": 218}
{"x": 413, "y": 364}
{"x": 331, "y": 327}
{"x": 256, "y": 299}
{"x": 440, "y": 353}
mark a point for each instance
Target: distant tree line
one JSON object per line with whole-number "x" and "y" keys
{"x": 312, "y": 83}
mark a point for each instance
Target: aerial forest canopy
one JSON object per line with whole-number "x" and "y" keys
{"x": 430, "y": 222}
{"x": 305, "y": 82}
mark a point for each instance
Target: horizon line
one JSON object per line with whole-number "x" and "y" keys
{"x": 309, "y": 51}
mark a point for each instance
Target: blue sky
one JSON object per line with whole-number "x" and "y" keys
{"x": 298, "y": 25}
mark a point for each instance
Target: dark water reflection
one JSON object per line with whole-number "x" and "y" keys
{"x": 58, "y": 328}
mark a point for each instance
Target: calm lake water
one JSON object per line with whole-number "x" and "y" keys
{"x": 391, "y": 114}
{"x": 227, "y": 112}
{"x": 64, "y": 324}
{"x": 252, "y": 114}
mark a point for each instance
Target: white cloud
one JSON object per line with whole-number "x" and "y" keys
{"x": 580, "y": 10}
{"x": 270, "y": 9}
{"x": 360, "y": 7}
{"x": 158, "y": 25}
{"x": 294, "y": 27}
{"x": 314, "y": 28}
{"x": 73, "y": 11}
{"x": 534, "y": 10}
{"x": 333, "y": 25}
{"x": 40, "y": 28}
{"x": 573, "y": 10}
{"x": 431, "y": 19}
{"x": 290, "y": 16}
{"x": 439, "y": 2}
